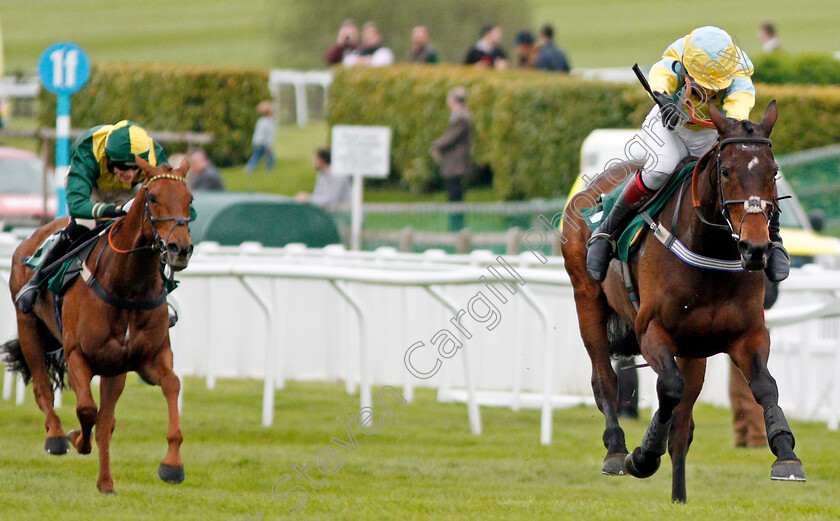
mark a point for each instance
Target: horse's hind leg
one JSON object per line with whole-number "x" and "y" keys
{"x": 751, "y": 358}
{"x": 109, "y": 392}
{"x": 34, "y": 338}
{"x": 682, "y": 426}
{"x": 159, "y": 372}
{"x": 80, "y": 376}
{"x": 657, "y": 349}
{"x": 592, "y": 316}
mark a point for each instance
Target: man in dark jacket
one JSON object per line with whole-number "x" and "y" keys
{"x": 452, "y": 150}
{"x": 486, "y": 52}
{"x": 203, "y": 173}
{"x": 549, "y": 56}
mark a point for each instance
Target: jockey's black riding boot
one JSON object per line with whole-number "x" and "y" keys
{"x": 601, "y": 247}
{"x": 28, "y": 294}
{"x": 778, "y": 265}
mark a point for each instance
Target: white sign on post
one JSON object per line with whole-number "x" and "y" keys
{"x": 360, "y": 151}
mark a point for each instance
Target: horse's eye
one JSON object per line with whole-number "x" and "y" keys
{"x": 152, "y": 199}
{"x": 724, "y": 172}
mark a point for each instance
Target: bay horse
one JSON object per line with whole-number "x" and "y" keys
{"x": 115, "y": 323}
{"x": 686, "y": 313}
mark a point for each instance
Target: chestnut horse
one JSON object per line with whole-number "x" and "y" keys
{"x": 117, "y": 322}
{"x": 687, "y": 313}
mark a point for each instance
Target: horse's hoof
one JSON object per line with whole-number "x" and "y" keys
{"x": 109, "y": 492}
{"x": 171, "y": 475}
{"x": 72, "y": 436}
{"x": 788, "y": 470}
{"x": 636, "y": 469}
{"x": 614, "y": 465}
{"x": 57, "y": 445}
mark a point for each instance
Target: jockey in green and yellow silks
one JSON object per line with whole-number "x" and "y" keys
{"x": 703, "y": 67}
{"x": 103, "y": 172}
{"x": 101, "y": 183}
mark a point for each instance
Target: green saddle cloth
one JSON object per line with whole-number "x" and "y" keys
{"x": 627, "y": 239}
{"x": 68, "y": 270}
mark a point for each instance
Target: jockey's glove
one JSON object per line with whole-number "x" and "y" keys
{"x": 667, "y": 110}
{"x": 112, "y": 211}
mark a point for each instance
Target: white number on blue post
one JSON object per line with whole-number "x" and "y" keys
{"x": 64, "y": 67}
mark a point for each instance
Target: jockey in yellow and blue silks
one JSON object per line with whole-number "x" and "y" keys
{"x": 719, "y": 72}
{"x": 101, "y": 183}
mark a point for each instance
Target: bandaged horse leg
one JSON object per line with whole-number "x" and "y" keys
{"x": 751, "y": 357}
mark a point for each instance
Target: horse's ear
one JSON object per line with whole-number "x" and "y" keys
{"x": 770, "y": 116}
{"x": 143, "y": 164}
{"x": 717, "y": 118}
{"x": 184, "y": 167}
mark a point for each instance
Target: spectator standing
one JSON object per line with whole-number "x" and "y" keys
{"x": 329, "y": 188}
{"x": 526, "y": 50}
{"x": 262, "y": 144}
{"x": 767, "y": 37}
{"x": 486, "y": 52}
{"x": 549, "y": 56}
{"x": 203, "y": 174}
{"x": 345, "y": 44}
{"x": 372, "y": 52}
{"x": 452, "y": 151}
{"x": 421, "y": 50}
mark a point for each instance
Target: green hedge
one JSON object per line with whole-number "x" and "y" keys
{"x": 811, "y": 68}
{"x": 529, "y": 126}
{"x": 220, "y": 101}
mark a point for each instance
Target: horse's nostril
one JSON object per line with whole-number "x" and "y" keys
{"x": 744, "y": 247}
{"x": 174, "y": 249}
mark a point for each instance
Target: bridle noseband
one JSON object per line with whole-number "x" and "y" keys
{"x": 158, "y": 243}
{"x": 752, "y": 204}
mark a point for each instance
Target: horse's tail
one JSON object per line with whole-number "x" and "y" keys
{"x": 16, "y": 362}
{"x": 622, "y": 337}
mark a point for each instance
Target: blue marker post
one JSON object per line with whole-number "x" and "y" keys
{"x": 62, "y": 151}
{"x": 64, "y": 68}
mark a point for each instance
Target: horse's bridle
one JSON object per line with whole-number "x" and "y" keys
{"x": 158, "y": 243}
{"x": 753, "y": 204}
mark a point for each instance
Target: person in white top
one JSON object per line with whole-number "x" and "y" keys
{"x": 372, "y": 52}
{"x": 329, "y": 189}
{"x": 767, "y": 37}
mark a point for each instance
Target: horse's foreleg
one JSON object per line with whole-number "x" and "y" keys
{"x": 657, "y": 349}
{"x": 33, "y": 340}
{"x": 592, "y": 315}
{"x": 109, "y": 392}
{"x": 80, "y": 376}
{"x": 751, "y": 358}
{"x": 682, "y": 426}
{"x": 160, "y": 373}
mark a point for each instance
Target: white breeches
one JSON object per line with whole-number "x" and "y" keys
{"x": 670, "y": 147}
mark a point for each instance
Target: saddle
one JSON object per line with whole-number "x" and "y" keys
{"x": 628, "y": 241}
{"x": 71, "y": 267}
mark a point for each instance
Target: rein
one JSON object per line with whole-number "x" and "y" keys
{"x": 158, "y": 245}
{"x": 753, "y": 204}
